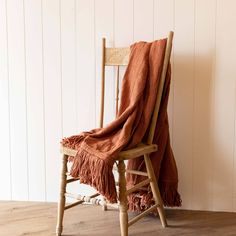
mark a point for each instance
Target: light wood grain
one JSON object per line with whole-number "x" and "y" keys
{"x": 141, "y": 215}
{"x": 160, "y": 88}
{"x": 68, "y": 151}
{"x": 71, "y": 180}
{"x": 155, "y": 190}
{"x": 80, "y": 197}
{"x": 136, "y": 172}
{"x": 102, "y": 103}
{"x": 62, "y": 199}
{"x": 117, "y": 56}
{"x": 38, "y": 219}
{"x": 136, "y": 152}
{"x": 117, "y": 88}
{"x": 139, "y": 185}
{"x": 102, "y": 83}
{"x": 123, "y": 199}
{"x": 124, "y": 155}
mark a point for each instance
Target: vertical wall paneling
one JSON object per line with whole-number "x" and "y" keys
{"x": 85, "y": 77}
{"x": 184, "y": 95}
{"x": 85, "y": 65}
{"x": 68, "y": 67}
{"x": 203, "y": 101}
{"x": 52, "y": 93}
{"x": 123, "y": 33}
{"x": 234, "y": 161}
{"x": 224, "y": 107}
{"x": 50, "y": 81}
{"x": 123, "y": 28}
{"x": 143, "y": 20}
{"x": 17, "y": 95}
{"x": 69, "y": 72}
{"x": 123, "y": 23}
{"x": 104, "y": 27}
{"x": 5, "y": 167}
{"x": 163, "y": 23}
{"x": 35, "y": 99}
{"x": 163, "y": 18}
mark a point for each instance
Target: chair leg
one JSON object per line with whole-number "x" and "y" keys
{"x": 123, "y": 199}
{"x": 155, "y": 190}
{"x": 104, "y": 206}
{"x": 62, "y": 201}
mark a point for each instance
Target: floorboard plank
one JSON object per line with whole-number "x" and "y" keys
{"x": 32, "y": 218}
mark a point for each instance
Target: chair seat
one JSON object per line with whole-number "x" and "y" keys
{"x": 140, "y": 150}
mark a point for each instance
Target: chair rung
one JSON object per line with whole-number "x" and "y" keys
{"x": 71, "y": 180}
{"x": 137, "y": 186}
{"x": 74, "y": 204}
{"x": 136, "y": 172}
{"x": 113, "y": 205}
{"x": 79, "y": 197}
{"x": 136, "y": 152}
{"x": 141, "y": 215}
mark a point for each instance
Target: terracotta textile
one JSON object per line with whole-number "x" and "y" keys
{"x": 99, "y": 148}
{"x": 163, "y": 163}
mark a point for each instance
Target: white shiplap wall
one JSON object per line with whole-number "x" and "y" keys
{"x": 50, "y": 82}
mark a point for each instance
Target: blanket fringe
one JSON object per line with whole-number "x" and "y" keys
{"x": 142, "y": 200}
{"x": 169, "y": 194}
{"x": 96, "y": 172}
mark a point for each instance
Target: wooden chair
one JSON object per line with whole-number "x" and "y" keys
{"x": 119, "y": 57}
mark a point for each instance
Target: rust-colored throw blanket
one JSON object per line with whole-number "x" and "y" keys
{"x": 99, "y": 148}
{"x": 163, "y": 163}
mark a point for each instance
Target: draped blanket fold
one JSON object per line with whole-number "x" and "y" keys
{"x": 99, "y": 148}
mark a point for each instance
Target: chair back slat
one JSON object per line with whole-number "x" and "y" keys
{"x": 102, "y": 83}
{"x": 111, "y": 57}
{"x": 117, "y": 88}
{"x": 117, "y": 56}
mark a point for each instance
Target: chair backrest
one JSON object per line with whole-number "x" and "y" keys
{"x": 112, "y": 57}
{"x": 120, "y": 57}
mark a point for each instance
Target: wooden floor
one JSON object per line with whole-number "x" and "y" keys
{"x": 22, "y": 218}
